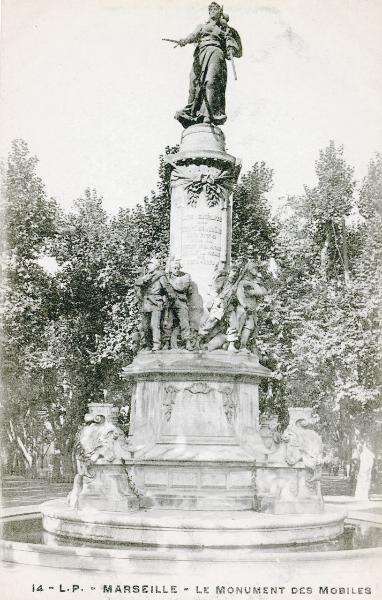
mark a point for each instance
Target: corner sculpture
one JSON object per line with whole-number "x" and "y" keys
{"x": 99, "y": 443}
{"x": 216, "y": 43}
{"x": 303, "y": 444}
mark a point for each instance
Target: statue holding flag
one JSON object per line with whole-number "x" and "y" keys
{"x": 215, "y": 42}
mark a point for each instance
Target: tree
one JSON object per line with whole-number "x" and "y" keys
{"x": 28, "y": 301}
{"x": 72, "y": 374}
{"x": 328, "y": 204}
{"x": 253, "y": 230}
{"x": 325, "y": 336}
{"x": 134, "y": 236}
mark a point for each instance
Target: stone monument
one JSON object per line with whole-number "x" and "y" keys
{"x": 197, "y": 467}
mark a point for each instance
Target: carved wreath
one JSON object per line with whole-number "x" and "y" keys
{"x": 213, "y": 187}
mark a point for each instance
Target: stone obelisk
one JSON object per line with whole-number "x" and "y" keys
{"x": 202, "y": 180}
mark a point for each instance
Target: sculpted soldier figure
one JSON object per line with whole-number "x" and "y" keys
{"x": 215, "y": 43}
{"x": 179, "y": 307}
{"x": 213, "y": 330}
{"x": 244, "y": 318}
{"x": 154, "y": 291}
{"x": 232, "y": 315}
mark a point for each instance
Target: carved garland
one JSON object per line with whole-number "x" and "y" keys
{"x": 213, "y": 186}
{"x": 199, "y": 387}
{"x": 229, "y": 403}
{"x": 169, "y": 401}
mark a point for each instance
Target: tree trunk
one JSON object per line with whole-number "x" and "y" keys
{"x": 345, "y": 252}
{"x": 67, "y": 470}
{"x": 324, "y": 258}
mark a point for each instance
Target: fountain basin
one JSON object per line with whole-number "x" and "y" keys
{"x": 180, "y": 528}
{"x": 26, "y": 543}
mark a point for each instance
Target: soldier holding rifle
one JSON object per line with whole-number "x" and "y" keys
{"x": 232, "y": 319}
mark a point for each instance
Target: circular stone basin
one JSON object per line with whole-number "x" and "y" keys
{"x": 358, "y": 549}
{"x": 29, "y": 530}
{"x": 179, "y": 528}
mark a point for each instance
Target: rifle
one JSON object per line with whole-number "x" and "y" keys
{"x": 176, "y": 42}
{"x": 230, "y": 53}
{"x": 233, "y": 65}
{"x": 221, "y": 303}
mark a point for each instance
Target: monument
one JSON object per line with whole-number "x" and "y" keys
{"x": 198, "y": 466}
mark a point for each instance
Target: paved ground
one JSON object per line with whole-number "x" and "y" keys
{"x": 18, "y": 491}
{"x": 334, "y": 485}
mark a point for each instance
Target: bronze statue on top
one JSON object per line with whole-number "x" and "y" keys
{"x": 215, "y": 42}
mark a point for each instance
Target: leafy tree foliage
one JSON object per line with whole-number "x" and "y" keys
{"x": 327, "y": 206}
{"x": 67, "y": 334}
{"x": 253, "y": 230}
{"x": 325, "y": 337}
{"x": 134, "y": 236}
{"x": 28, "y": 294}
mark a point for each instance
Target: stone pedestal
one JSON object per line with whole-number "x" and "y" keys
{"x": 194, "y": 431}
{"x": 195, "y": 462}
{"x": 108, "y": 488}
{"x": 201, "y": 212}
{"x": 281, "y": 489}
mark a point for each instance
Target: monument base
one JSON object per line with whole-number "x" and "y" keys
{"x": 194, "y": 432}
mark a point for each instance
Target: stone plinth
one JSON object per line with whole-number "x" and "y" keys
{"x": 107, "y": 488}
{"x": 281, "y": 489}
{"x": 194, "y": 430}
{"x": 201, "y": 212}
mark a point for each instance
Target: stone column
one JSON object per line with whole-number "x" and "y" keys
{"x": 202, "y": 180}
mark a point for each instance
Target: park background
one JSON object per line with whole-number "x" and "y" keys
{"x": 91, "y": 90}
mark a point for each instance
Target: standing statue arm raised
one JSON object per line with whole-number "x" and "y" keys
{"x": 192, "y": 38}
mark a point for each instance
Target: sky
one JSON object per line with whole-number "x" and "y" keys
{"x": 92, "y": 88}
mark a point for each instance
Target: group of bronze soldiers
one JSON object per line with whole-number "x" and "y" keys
{"x": 166, "y": 299}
